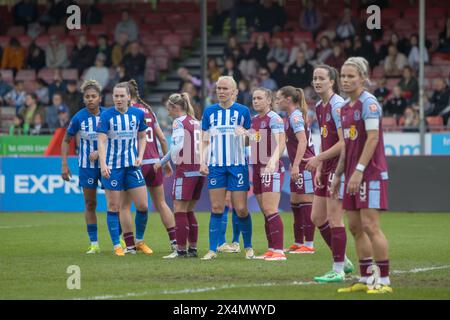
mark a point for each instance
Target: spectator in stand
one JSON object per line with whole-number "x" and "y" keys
{"x": 338, "y": 57}
{"x": 56, "y": 53}
{"x": 300, "y": 46}
{"x": 51, "y": 112}
{"x": 444, "y": 38}
{"x": 410, "y": 121}
{"x": 93, "y": 14}
{"x": 413, "y": 55}
{"x": 244, "y": 96}
{"x": 42, "y": 91}
{"x": 401, "y": 46}
{"x": 300, "y": 73}
{"x": 18, "y": 127}
{"x": 119, "y": 50}
{"x": 278, "y": 51}
{"x": 63, "y": 117}
{"x": 363, "y": 47}
{"x": 16, "y": 97}
{"x": 134, "y": 63}
{"x": 31, "y": 108}
{"x": 258, "y": 53}
{"x": 128, "y": 26}
{"x": 234, "y": 49}
{"x": 382, "y": 91}
{"x": 58, "y": 84}
{"x": 105, "y": 48}
{"x": 230, "y": 69}
{"x": 13, "y": 56}
{"x": 4, "y": 89}
{"x": 396, "y": 105}
{"x": 38, "y": 127}
{"x": 346, "y": 27}
{"x": 310, "y": 18}
{"x": 246, "y": 9}
{"x": 440, "y": 100}
{"x": 394, "y": 62}
{"x": 222, "y": 12}
{"x": 270, "y": 16}
{"x": 47, "y": 17}
{"x": 36, "y": 57}
{"x": 409, "y": 85}
{"x": 348, "y": 47}
{"x": 83, "y": 55}
{"x": 323, "y": 50}
{"x": 276, "y": 72}
{"x": 72, "y": 98}
{"x": 25, "y": 12}
{"x": 265, "y": 81}
{"x": 214, "y": 71}
{"x": 98, "y": 72}
{"x": 185, "y": 76}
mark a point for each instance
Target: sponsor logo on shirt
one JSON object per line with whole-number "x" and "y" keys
{"x": 373, "y": 108}
{"x": 351, "y": 133}
{"x": 338, "y": 111}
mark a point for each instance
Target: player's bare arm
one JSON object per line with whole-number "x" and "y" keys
{"x": 102, "y": 155}
{"x": 337, "y": 174}
{"x": 332, "y": 152}
{"x": 203, "y": 152}
{"x": 272, "y": 164}
{"x": 142, "y": 139}
{"x": 65, "y": 146}
{"x": 301, "y": 148}
{"x": 165, "y": 148}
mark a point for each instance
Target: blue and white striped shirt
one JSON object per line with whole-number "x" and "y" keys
{"x": 86, "y": 123}
{"x": 226, "y": 149}
{"x": 122, "y": 131}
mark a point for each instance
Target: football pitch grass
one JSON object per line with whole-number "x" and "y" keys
{"x": 37, "y": 249}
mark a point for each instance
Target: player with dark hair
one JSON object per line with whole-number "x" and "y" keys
{"x": 300, "y": 148}
{"x": 85, "y": 122}
{"x": 363, "y": 162}
{"x": 327, "y": 213}
{"x": 188, "y": 183}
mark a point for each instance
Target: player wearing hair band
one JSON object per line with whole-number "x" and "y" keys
{"x": 120, "y": 130}
{"x": 327, "y": 213}
{"x": 300, "y": 148}
{"x": 188, "y": 183}
{"x": 85, "y": 122}
{"x": 153, "y": 178}
{"x": 222, "y": 158}
{"x": 363, "y": 162}
{"x": 267, "y": 141}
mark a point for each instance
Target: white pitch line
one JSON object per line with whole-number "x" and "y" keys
{"x": 20, "y": 226}
{"x": 234, "y": 286}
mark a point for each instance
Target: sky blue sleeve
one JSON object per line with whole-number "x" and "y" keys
{"x": 276, "y": 124}
{"x": 74, "y": 126}
{"x": 205, "y": 120}
{"x": 297, "y": 123}
{"x": 247, "y": 119}
{"x": 142, "y": 125}
{"x": 371, "y": 109}
{"x": 177, "y": 142}
{"x": 103, "y": 124}
{"x": 336, "y": 114}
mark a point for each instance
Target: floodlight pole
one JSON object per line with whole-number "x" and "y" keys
{"x": 203, "y": 51}
{"x": 421, "y": 74}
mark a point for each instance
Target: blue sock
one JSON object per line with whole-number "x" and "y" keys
{"x": 215, "y": 224}
{"x": 112, "y": 219}
{"x": 120, "y": 228}
{"x": 235, "y": 223}
{"x": 223, "y": 228}
{"x": 141, "y": 222}
{"x": 245, "y": 225}
{"x": 92, "y": 232}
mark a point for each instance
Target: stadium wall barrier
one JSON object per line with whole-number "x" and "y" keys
{"x": 416, "y": 184}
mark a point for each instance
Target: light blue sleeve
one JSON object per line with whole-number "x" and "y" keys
{"x": 336, "y": 114}
{"x": 371, "y": 109}
{"x": 297, "y": 123}
{"x": 177, "y": 142}
{"x": 276, "y": 124}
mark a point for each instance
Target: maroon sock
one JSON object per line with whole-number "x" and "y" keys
{"x": 364, "y": 264}
{"x": 182, "y": 229}
{"x": 308, "y": 225}
{"x": 384, "y": 268}
{"x": 298, "y": 223}
{"x": 325, "y": 231}
{"x": 172, "y": 234}
{"x": 266, "y": 227}
{"x": 338, "y": 243}
{"x": 129, "y": 239}
{"x": 193, "y": 229}
{"x": 276, "y": 231}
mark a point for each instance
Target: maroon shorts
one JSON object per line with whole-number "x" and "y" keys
{"x": 371, "y": 195}
{"x": 267, "y": 183}
{"x": 187, "y": 188}
{"x": 305, "y": 182}
{"x": 152, "y": 178}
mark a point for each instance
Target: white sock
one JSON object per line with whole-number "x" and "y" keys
{"x": 139, "y": 240}
{"x": 117, "y": 246}
{"x": 278, "y": 251}
{"x": 94, "y": 243}
{"x": 385, "y": 281}
{"x": 338, "y": 267}
{"x": 309, "y": 244}
{"x": 298, "y": 244}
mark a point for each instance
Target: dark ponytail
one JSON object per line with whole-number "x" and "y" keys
{"x": 134, "y": 93}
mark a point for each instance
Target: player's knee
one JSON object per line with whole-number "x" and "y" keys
{"x": 113, "y": 207}
{"x": 241, "y": 211}
{"x": 355, "y": 229}
{"x": 218, "y": 208}
{"x": 142, "y": 207}
{"x": 318, "y": 220}
{"x": 370, "y": 229}
{"x": 91, "y": 205}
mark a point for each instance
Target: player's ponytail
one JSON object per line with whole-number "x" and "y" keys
{"x": 134, "y": 93}
{"x": 333, "y": 74}
{"x": 303, "y": 106}
{"x": 298, "y": 98}
{"x": 187, "y": 101}
{"x": 183, "y": 101}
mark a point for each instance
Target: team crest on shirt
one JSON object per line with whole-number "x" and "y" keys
{"x": 353, "y": 133}
{"x": 328, "y": 117}
{"x": 90, "y": 181}
{"x": 357, "y": 115}
{"x": 324, "y": 131}
{"x": 132, "y": 124}
{"x": 233, "y": 120}
{"x": 257, "y": 136}
{"x": 262, "y": 125}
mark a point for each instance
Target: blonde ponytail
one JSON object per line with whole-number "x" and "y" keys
{"x": 303, "y": 106}
{"x": 189, "y": 108}
{"x": 182, "y": 100}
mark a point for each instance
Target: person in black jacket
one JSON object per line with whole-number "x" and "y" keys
{"x": 83, "y": 55}
{"x": 300, "y": 72}
{"x": 36, "y": 57}
{"x": 396, "y": 105}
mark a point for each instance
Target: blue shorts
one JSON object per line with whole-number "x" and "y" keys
{"x": 124, "y": 179}
{"x": 89, "y": 178}
{"x": 233, "y": 178}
